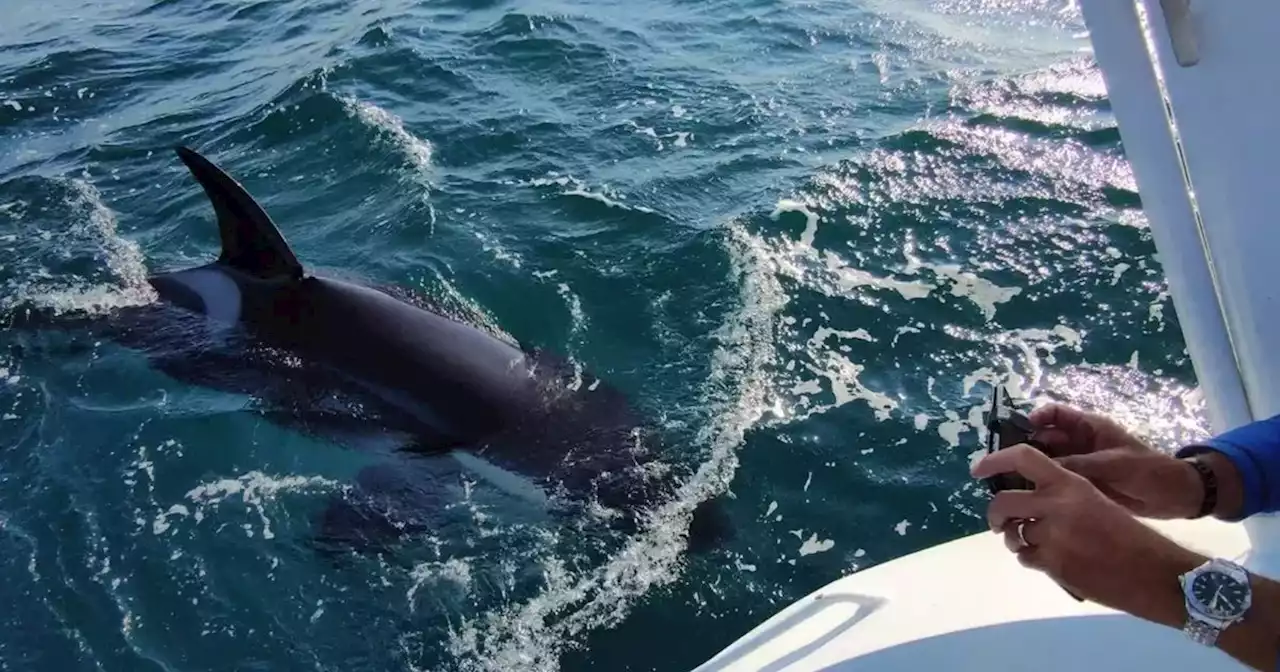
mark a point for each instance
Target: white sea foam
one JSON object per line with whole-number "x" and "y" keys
{"x": 574, "y": 304}
{"x": 678, "y": 138}
{"x": 489, "y": 244}
{"x": 850, "y": 278}
{"x": 92, "y": 223}
{"x": 951, "y": 428}
{"x": 1155, "y": 311}
{"x": 811, "y": 218}
{"x": 983, "y": 374}
{"x": 255, "y": 490}
{"x": 1117, "y": 271}
{"x": 843, "y": 376}
{"x": 416, "y": 150}
{"x": 964, "y": 284}
{"x": 823, "y": 333}
{"x": 814, "y": 545}
{"x": 453, "y": 572}
{"x": 530, "y": 635}
{"x": 984, "y": 293}
{"x": 572, "y": 186}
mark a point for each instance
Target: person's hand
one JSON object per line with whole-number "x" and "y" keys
{"x": 1129, "y": 471}
{"x": 1082, "y": 539}
{"x": 1071, "y": 431}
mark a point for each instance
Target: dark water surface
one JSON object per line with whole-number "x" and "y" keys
{"x": 803, "y": 237}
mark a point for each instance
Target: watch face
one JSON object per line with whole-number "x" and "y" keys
{"x": 1220, "y": 595}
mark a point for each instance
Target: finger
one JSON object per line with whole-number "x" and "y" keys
{"x": 1011, "y": 540}
{"x": 1021, "y": 459}
{"x": 1057, "y": 415}
{"x": 1013, "y": 505}
{"x": 1033, "y": 532}
{"x": 1104, "y": 466}
{"x": 1133, "y": 504}
{"x": 1014, "y": 539}
{"x": 1060, "y": 442}
{"x": 1031, "y": 558}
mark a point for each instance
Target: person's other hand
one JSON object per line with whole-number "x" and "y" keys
{"x": 1132, "y": 473}
{"x": 1082, "y": 539}
{"x": 1070, "y": 431}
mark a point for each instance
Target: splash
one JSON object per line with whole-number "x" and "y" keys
{"x": 94, "y": 228}
{"x": 497, "y": 249}
{"x": 532, "y": 635}
{"x": 574, "y": 303}
{"x": 416, "y": 150}
{"x": 124, "y": 257}
{"x": 255, "y": 490}
{"x": 454, "y": 573}
{"x": 837, "y": 373}
{"x": 574, "y": 187}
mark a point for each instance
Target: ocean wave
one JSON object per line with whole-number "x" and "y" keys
{"x": 679, "y": 139}
{"x": 391, "y": 127}
{"x": 521, "y": 25}
{"x": 499, "y": 251}
{"x": 572, "y": 187}
{"x": 36, "y": 275}
{"x": 544, "y": 44}
{"x": 254, "y": 490}
{"x": 533, "y": 634}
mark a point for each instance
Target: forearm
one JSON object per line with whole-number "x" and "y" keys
{"x": 1254, "y": 641}
{"x": 1230, "y": 487}
{"x": 1247, "y": 462}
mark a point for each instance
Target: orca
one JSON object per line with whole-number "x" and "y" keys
{"x": 330, "y": 354}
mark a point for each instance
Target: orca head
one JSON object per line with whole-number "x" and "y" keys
{"x": 710, "y": 526}
{"x": 253, "y": 250}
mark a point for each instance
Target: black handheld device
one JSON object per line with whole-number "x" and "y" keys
{"x": 1007, "y": 427}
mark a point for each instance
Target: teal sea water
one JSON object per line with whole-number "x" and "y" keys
{"x": 804, "y": 237}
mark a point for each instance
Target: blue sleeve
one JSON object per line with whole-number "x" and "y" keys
{"x": 1254, "y": 449}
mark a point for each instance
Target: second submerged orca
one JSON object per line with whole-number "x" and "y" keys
{"x": 448, "y": 386}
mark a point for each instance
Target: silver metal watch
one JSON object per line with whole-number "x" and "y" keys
{"x": 1217, "y": 595}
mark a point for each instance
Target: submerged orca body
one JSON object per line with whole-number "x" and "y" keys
{"x": 330, "y": 354}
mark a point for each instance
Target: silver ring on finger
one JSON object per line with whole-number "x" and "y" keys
{"x": 1022, "y": 536}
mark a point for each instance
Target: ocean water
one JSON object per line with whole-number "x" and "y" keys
{"x": 804, "y": 237}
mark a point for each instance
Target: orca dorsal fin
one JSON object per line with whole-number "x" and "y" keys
{"x": 251, "y": 243}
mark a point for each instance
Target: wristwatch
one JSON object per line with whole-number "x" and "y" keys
{"x": 1217, "y": 595}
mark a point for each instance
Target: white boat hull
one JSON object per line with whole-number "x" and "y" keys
{"x": 968, "y": 605}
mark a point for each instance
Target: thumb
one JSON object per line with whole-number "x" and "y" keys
{"x": 1105, "y": 465}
